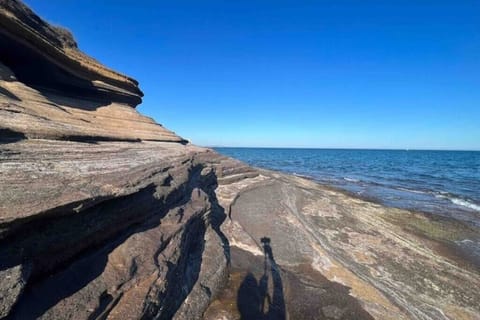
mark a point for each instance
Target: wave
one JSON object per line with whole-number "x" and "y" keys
{"x": 303, "y": 176}
{"x": 465, "y": 203}
{"x": 458, "y": 201}
{"x": 444, "y": 195}
{"x": 413, "y": 191}
{"x": 437, "y": 194}
{"x": 472, "y": 246}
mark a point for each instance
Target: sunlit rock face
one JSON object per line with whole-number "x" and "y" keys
{"x": 51, "y": 90}
{"x": 106, "y": 214}
{"x": 102, "y": 210}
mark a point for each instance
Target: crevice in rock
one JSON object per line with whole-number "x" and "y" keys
{"x": 105, "y": 300}
{"x": 181, "y": 276}
{"x": 95, "y": 139}
{"x": 65, "y": 238}
{"x": 6, "y": 93}
{"x": 10, "y": 136}
{"x": 34, "y": 69}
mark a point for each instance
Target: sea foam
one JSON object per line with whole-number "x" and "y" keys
{"x": 465, "y": 203}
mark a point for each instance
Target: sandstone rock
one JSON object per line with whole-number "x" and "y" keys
{"x": 29, "y": 45}
{"x": 105, "y": 214}
{"x": 51, "y": 90}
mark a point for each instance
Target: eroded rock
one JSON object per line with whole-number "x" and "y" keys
{"x": 105, "y": 214}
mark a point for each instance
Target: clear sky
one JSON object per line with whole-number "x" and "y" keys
{"x": 339, "y": 73}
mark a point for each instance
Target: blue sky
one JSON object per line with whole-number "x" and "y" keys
{"x": 339, "y": 73}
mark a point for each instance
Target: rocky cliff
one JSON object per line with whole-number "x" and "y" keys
{"x": 51, "y": 90}
{"x": 106, "y": 214}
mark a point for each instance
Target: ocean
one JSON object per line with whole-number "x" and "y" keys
{"x": 446, "y": 183}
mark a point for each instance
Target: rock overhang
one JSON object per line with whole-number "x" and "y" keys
{"x": 27, "y": 41}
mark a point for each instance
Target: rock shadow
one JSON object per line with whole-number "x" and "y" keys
{"x": 34, "y": 69}
{"x": 9, "y": 94}
{"x": 10, "y": 136}
{"x": 57, "y": 272}
{"x": 255, "y": 299}
{"x": 217, "y": 217}
{"x": 308, "y": 294}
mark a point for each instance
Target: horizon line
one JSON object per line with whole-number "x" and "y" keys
{"x": 345, "y": 148}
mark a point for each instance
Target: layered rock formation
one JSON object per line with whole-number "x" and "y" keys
{"x": 106, "y": 214}
{"x": 51, "y": 90}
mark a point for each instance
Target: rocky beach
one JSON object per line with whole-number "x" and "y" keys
{"x": 106, "y": 214}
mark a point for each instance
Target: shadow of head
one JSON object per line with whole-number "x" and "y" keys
{"x": 265, "y": 241}
{"x": 267, "y": 249}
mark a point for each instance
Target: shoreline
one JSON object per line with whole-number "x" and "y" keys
{"x": 448, "y": 247}
{"x": 376, "y": 200}
{"x": 445, "y": 231}
{"x": 437, "y": 184}
{"x": 384, "y": 257}
{"x": 353, "y": 194}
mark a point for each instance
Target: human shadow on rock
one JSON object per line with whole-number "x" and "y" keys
{"x": 256, "y": 299}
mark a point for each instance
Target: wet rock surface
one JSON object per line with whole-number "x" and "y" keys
{"x": 105, "y": 214}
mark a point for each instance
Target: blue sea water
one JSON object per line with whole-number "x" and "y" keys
{"x": 439, "y": 182}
